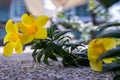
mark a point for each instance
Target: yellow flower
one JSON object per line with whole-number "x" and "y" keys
{"x": 33, "y": 28}
{"x": 12, "y": 39}
{"x": 96, "y": 48}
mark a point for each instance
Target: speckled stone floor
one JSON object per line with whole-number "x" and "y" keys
{"x": 22, "y": 67}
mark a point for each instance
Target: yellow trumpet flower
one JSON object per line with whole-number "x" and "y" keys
{"x": 96, "y": 48}
{"x": 33, "y": 28}
{"x": 12, "y": 39}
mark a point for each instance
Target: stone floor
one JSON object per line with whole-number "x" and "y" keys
{"x": 22, "y": 67}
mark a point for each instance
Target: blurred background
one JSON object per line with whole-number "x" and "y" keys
{"x": 87, "y": 13}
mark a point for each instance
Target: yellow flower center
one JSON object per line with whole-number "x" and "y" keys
{"x": 32, "y": 29}
{"x": 15, "y": 37}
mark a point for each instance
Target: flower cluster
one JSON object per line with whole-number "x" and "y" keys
{"x": 19, "y": 33}
{"x": 96, "y": 48}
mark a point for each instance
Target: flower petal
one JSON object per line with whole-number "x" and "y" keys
{"x": 8, "y": 49}
{"x": 95, "y": 42}
{"x": 11, "y": 37}
{"x": 26, "y": 38}
{"x": 96, "y": 51}
{"x": 18, "y": 47}
{"x": 95, "y": 48}
{"x": 10, "y": 27}
{"x": 41, "y": 33}
{"x": 92, "y": 57}
{"x": 109, "y": 60}
{"x": 108, "y": 43}
{"x": 41, "y": 21}
{"x": 22, "y": 28}
{"x": 27, "y": 20}
{"x": 7, "y": 38}
{"x": 96, "y": 66}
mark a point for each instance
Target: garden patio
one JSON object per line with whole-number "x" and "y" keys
{"x": 59, "y": 40}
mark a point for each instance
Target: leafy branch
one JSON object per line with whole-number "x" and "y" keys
{"x": 55, "y": 46}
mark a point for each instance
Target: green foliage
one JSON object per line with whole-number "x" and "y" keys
{"x": 117, "y": 77}
{"x": 107, "y": 3}
{"x": 110, "y": 53}
{"x": 104, "y": 26}
{"x": 100, "y": 10}
{"x": 112, "y": 33}
{"x": 113, "y": 66}
{"x": 70, "y": 24}
{"x": 55, "y": 46}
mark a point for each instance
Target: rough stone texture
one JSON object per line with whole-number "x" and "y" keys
{"x": 22, "y": 67}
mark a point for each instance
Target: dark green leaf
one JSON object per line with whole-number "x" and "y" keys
{"x": 48, "y": 52}
{"x": 46, "y": 60}
{"x": 110, "y": 67}
{"x": 39, "y": 55}
{"x": 108, "y": 3}
{"x": 58, "y": 50}
{"x": 57, "y": 32}
{"x": 51, "y": 30}
{"x": 83, "y": 61}
{"x": 65, "y": 63}
{"x": 38, "y": 45}
{"x": 60, "y": 34}
{"x": 53, "y": 57}
{"x": 113, "y": 34}
{"x": 65, "y": 37}
{"x": 102, "y": 27}
{"x": 34, "y": 54}
{"x": 69, "y": 60}
{"x": 111, "y": 53}
{"x": 74, "y": 44}
{"x": 116, "y": 77}
{"x": 117, "y": 72}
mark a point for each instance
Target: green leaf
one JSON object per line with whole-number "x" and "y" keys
{"x": 58, "y": 35}
{"x": 40, "y": 44}
{"x": 116, "y": 77}
{"x": 51, "y": 30}
{"x": 37, "y": 45}
{"x": 110, "y": 53}
{"x": 110, "y": 67}
{"x": 34, "y": 54}
{"x": 117, "y": 72}
{"x": 102, "y": 27}
{"x": 108, "y": 3}
{"x": 65, "y": 37}
{"x": 83, "y": 61}
{"x": 69, "y": 60}
{"x": 57, "y": 31}
{"x": 39, "y": 55}
{"x": 58, "y": 50}
{"x": 112, "y": 34}
{"x": 48, "y": 52}
{"x": 53, "y": 57}
{"x": 46, "y": 60}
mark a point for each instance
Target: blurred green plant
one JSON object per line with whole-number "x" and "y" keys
{"x": 99, "y": 8}
{"x": 107, "y": 3}
{"x": 82, "y": 31}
